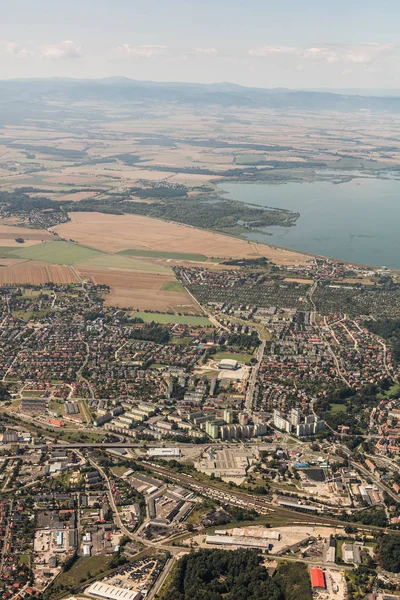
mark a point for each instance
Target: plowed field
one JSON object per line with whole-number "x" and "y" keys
{"x": 36, "y": 273}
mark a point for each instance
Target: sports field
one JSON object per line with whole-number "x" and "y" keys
{"x": 149, "y": 317}
{"x": 240, "y": 357}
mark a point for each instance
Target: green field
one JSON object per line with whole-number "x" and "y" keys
{"x": 83, "y": 569}
{"x": 248, "y": 159}
{"x": 164, "y": 318}
{"x": 164, "y": 254}
{"x": 245, "y": 358}
{"x": 116, "y": 261}
{"x": 337, "y": 408}
{"x": 8, "y": 252}
{"x": 172, "y": 286}
{"x": 59, "y": 253}
{"x": 393, "y": 391}
{"x": 181, "y": 341}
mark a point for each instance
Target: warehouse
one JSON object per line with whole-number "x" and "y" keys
{"x": 111, "y": 592}
{"x": 317, "y": 579}
{"x": 164, "y": 453}
{"x": 234, "y": 540}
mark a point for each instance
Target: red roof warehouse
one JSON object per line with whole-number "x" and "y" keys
{"x": 317, "y": 578}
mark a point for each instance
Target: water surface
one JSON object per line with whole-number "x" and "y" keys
{"x": 357, "y": 221}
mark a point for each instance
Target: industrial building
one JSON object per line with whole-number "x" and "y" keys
{"x": 293, "y": 505}
{"x": 233, "y": 540}
{"x": 111, "y": 592}
{"x": 351, "y": 553}
{"x": 317, "y": 579}
{"x": 331, "y": 551}
{"x": 164, "y": 453}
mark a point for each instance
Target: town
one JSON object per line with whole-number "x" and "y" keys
{"x": 127, "y": 442}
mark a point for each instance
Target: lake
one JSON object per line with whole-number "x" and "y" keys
{"x": 357, "y": 221}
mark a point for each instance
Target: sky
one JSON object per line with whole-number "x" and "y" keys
{"x": 258, "y": 43}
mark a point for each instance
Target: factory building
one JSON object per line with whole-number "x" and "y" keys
{"x": 111, "y": 592}
{"x": 317, "y": 579}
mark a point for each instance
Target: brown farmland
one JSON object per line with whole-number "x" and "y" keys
{"x": 130, "y": 289}
{"x": 114, "y": 233}
{"x": 9, "y": 231}
{"x": 33, "y": 273}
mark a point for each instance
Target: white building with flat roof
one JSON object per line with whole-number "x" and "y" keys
{"x": 228, "y": 364}
{"x": 111, "y": 592}
{"x": 164, "y": 452}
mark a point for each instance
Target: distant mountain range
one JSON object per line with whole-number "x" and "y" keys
{"x": 19, "y": 95}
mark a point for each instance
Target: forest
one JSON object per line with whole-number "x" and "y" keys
{"x": 236, "y": 575}
{"x": 388, "y": 553}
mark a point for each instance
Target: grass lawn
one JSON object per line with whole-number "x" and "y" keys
{"x": 116, "y": 261}
{"x": 119, "y": 471}
{"x": 164, "y": 254}
{"x": 59, "y": 253}
{"x": 84, "y": 569}
{"x": 393, "y": 391}
{"x": 173, "y": 286}
{"x": 30, "y": 293}
{"x": 337, "y": 408}
{"x": 25, "y": 315}
{"x": 85, "y": 436}
{"x": 240, "y": 357}
{"x": 180, "y": 341}
{"x": 57, "y": 407}
{"x": 164, "y": 318}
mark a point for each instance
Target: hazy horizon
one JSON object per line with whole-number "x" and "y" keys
{"x": 351, "y": 45}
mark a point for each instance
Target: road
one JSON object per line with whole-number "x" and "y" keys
{"x": 6, "y": 534}
{"x": 253, "y": 377}
{"x": 161, "y": 579}
{"x": 336, "y": 361}
{"x": 210, "y": 316}
{"x": 114, "y": 507}
{"x": 85, "y": 362}
{"x": 310, "y": 297}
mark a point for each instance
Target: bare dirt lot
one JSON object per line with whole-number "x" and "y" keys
{"x": 36, "y": 273}
{"x": 113, "y": 233}
{"x": 131, "y": 289}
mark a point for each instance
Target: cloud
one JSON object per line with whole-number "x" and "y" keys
{"x": 17, "y": 50}
{"x": 263, "y": 51}
{"x": 65, "y": 50}
{"x": 206, "y": 51}
{"x": 141, "y": 50}
{"x": 330, "y": 53}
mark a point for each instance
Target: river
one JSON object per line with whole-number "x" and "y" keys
{"x": 356, "y": 221}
